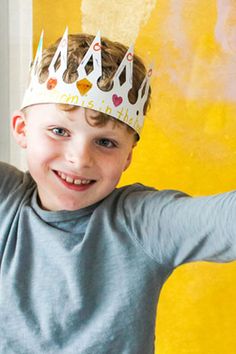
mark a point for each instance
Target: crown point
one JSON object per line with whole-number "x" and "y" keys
{"x": 40, "y": 45}
{"x": 66, "y": 32}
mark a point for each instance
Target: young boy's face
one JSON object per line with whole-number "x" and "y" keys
{"x": 73, "y": 163}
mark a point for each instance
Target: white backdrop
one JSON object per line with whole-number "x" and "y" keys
{"x": 15, "y": 57}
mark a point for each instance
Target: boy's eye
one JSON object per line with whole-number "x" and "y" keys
{"x": 106, "y": 143}
{"x": 60, "y": 131}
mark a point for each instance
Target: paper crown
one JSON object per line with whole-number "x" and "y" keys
{"x": 84, "y": 92}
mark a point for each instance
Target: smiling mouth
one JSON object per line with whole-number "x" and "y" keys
{"x": 74, "y": 181}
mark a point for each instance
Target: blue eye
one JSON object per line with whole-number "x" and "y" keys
{"x": 60, "y": 131}
{"x": 106, "y": 143}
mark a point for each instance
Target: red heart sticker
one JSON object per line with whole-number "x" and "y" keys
{"x": 117, "y": 100}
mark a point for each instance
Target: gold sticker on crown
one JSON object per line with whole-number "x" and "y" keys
{"x": 83, "y": 86}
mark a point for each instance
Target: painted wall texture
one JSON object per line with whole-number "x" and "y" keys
{"x": 188, "y": 141}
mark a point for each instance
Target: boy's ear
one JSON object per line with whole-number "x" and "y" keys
{"x": 18, "y": 123}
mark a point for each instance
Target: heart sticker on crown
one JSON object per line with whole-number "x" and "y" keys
{"x": 117, "y": 100}
{"x": 83, "y": 86}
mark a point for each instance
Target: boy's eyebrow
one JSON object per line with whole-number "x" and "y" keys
{"x": 72, "y": 119}
{"x": 93, "y": 113}
{"x": 89, "y": 115}
{"x": 65, "y": 115}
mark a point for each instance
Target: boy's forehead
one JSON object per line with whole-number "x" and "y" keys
{"x": 73, "y": 114}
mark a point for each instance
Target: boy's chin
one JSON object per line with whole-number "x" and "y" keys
{"x": 64, "y": 205}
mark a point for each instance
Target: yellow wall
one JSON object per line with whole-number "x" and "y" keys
{"x": 188, "y": 141}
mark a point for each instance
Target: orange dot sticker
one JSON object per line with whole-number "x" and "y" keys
{"x": 51, "y": 84}
{"x": 97, "y": 47}
{"x": 83, "y": 86}
{"x": 130, "y": 57}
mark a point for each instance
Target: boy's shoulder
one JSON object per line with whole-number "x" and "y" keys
{"x": 137, "y": 195}
{"x": 11, "y": 178}
{"x": 10, "y": 172}
{"x": 139, "y": 189}
{"x": 132, "y": 190}
{"x": 6, "y": 168}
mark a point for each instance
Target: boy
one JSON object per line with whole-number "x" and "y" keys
{"x": 83, "y": 263}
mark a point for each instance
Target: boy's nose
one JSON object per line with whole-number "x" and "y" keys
{"x": 80, "y": 156}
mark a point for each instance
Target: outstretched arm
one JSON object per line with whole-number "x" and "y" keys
{"x": 174, "y": 228}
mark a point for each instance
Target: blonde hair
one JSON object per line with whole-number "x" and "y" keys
{"x": 112, "y": 55}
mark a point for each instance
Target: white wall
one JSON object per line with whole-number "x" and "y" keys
{"x": 4, "y": 83}
{"x": 15, "y": 57}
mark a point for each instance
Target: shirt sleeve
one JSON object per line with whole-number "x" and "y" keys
{"x": 174, "y": 228}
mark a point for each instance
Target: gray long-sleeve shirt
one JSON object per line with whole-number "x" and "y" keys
{"x": 88, "y": 281}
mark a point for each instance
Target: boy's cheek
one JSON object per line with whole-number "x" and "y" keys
{"x": 42, "y": 145}
{"x": 38, "y": 154}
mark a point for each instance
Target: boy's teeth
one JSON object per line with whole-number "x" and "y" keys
{"x": 74, "y": 181}
{"x": 69, "y": 179}
{"x": 77, "y": 181}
